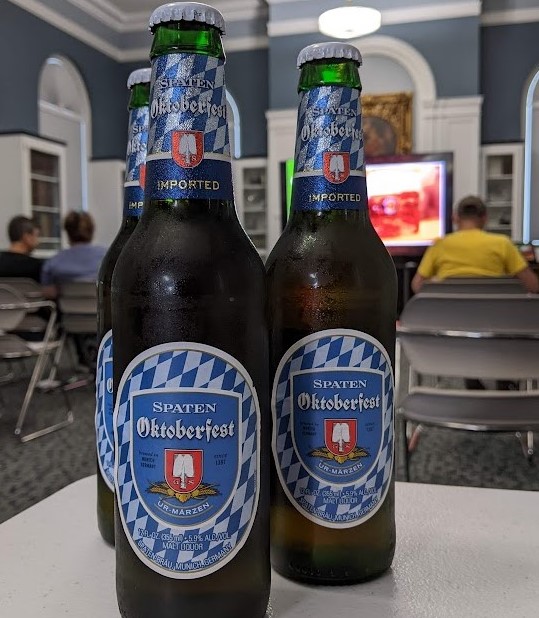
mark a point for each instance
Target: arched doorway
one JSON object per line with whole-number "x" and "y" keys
{"x": 530, "y": 228}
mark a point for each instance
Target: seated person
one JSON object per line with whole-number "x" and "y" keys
{"x": 78, "y": 263}
{"x": 16, "y": 261}
{"x": 472, "y": 252}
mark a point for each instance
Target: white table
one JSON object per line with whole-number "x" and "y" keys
{"x": 462, "y": 553}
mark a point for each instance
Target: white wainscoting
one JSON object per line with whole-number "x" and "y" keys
{"x": 106, "y": 198}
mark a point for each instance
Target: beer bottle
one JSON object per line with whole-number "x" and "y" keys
{"x": 332, "y": 306}
{"x": 191, "y": 424}
{"x": 139, "y": 85}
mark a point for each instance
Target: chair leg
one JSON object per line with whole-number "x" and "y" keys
{"x": 56, "y": 359}
{"x": 414, "y": 438}
{"x": 404, "y": 447}
{"x": 34, "y": 379}
{"x": 526, "y": 442}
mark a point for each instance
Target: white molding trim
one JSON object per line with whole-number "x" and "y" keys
{"x": 68, "y": 26}
{"x": 432, "y": 12}
{"x": 511, "y": 16}
{"x": 411, "y": 14}
{"x": 281, "y": 144}
{"x": 415, "y": 65}
{"x": 101, "y": 10}
{"x": 37, "y": 8}
{"x": 110, "y": 15}
{"x": 404, "y": 54}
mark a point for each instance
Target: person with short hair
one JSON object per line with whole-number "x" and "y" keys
{"x": 23, "y": 236}
{"x": 78, "y": 263}
{"x": 472, "y": 252}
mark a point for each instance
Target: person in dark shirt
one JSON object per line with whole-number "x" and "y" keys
{"x": 16, "y": 261}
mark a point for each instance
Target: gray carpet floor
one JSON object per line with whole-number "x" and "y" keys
{"x": 32, "y": 471}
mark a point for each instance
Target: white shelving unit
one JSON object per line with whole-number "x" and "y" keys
{"x": 251, "y": 199}
{"x": 502, "y": 182}
{"x": 32, "y": 176}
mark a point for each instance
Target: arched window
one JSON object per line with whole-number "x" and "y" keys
{"x": 531, "y": 160}
{"x": 234, "y": 126}
{"x": 65, "y": 115}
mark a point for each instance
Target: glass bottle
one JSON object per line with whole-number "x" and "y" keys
{"x": 137, "y": 139}
{"x": 191, "y": 421}
{"x": 332, "y": 309}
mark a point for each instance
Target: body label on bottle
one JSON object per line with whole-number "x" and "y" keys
{"x": 329, "y": 162}
{"x": 135, "y": 172}
{"x": 104, "y": 411}
{"x": 188, "y": 149}
{"x": 333, "y": 434}
{"x": 187, "y": 430}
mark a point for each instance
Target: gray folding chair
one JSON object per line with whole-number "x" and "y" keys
{"x": 13, "y": 309}
{"x": 474, "y": 285}
{"x": 492, "y": 337}
{"x": 30, "y": 291}
{"x": 77, "y": 302}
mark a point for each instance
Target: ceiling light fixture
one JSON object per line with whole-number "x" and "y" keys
{"x": 350, "y": 21}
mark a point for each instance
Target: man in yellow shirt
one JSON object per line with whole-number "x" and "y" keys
{"x": 472, "y": 252}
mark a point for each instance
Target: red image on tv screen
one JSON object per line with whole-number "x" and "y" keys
{"x": 407, "y": 201}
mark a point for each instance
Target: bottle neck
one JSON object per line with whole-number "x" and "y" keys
{"x": 187, "y": 37}
{"x": 135, "y": 164}
{"x": 329, "y": 180}
{"x": 140, "y": 96}
{"x": 189, "y": 147}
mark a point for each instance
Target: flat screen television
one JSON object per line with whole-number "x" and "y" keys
{"x": 410, "y": 197}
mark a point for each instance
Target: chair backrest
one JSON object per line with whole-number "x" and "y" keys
{"x": 483, "y": 285}
{"x": 77, "y": 302}
{"x": 488, "y": 337}
{"x": 29, "y": 288}
{"x": 518, "y": 313}
{"x": 12, "y": 311}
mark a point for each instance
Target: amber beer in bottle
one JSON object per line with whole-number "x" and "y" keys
{"x": 191, "y": 420}
{"x": 332, "y": 305}
{"x": 139, "y": 85}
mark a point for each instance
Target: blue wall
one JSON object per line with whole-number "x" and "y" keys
{"x": 455, "y": 65}
{"x": 248, "y": 82}
{"x": 26, "y": 42}
{"x": 510, "y": 55}
{"x": 495, "y": 61}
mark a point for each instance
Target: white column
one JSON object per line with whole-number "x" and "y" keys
{"x": 105, "y": 198}
{"x": 454, "y": 125}
{"x": 281, "y": 138}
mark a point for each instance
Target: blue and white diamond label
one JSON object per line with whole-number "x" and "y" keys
{"x": 333, "y": 434}
{"x": 104, "y": 410}
{"x": 188, "y": 148}
{"x": 329, "y": 161}
{"x": 135, "y": 165}
{"x": 187, "y": 430}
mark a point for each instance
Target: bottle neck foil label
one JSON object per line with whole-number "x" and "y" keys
{"x": 135, "y": 164}
{"x": 333, "y": 435}
{"x": 329, "y": 161}
{"x": 187, "y": 431}
{"x": 188, "y": 148}
{"x": 104, "y": 411}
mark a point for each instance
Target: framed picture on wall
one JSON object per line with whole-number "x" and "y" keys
{"x": 387, "y": 124}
